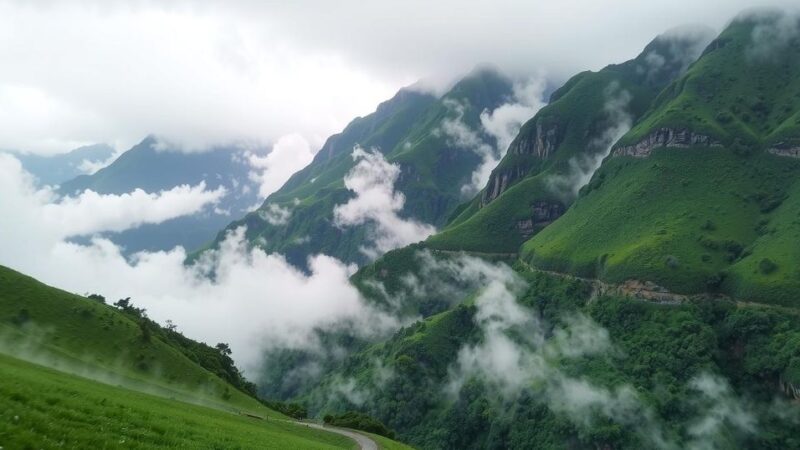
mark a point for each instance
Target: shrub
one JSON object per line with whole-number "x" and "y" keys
{"x": 767, "y": 266}
{"x": 359, "y": 421}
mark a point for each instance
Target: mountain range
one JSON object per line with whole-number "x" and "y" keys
{"x": 626, "y": 274}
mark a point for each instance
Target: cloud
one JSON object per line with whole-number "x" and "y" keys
{"x": 90, "y": 167}
{"x": 203, "y": 73}
{"x": 773, "y": 32}
{"x": 501, "y": 125}
{"x": 275, "y": 214}
{"x": 235, "y": 294}
{"x": 377, "y": 204}
{"x": 583, "y": 166}
{"x": 289, "y": 154}
{"x": 518, "y": 353}
{"x": 90, "y": 212}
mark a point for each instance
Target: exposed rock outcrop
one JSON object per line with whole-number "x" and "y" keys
{"x": 785, "y": 149}
{"x": 499, "y": 181}
{"x": 541, "y": 143}
{"x": 542, "y": 214}
{"x": 666, "y": 137}
{"x": 789, "y": 388}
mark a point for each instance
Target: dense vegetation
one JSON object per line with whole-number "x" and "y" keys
{"x": 359, "y": 421}
{"x": 660, "y": 351}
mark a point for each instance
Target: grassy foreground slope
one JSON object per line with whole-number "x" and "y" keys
{"x": 533, "y": 184}
{"x": 701, "y": 195}
{"x": 54, "y": 327}
{"x": 45, "y": 408}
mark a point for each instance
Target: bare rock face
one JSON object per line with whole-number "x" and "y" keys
{"x": 785, "y": 149}
{"x": 542, "y": 214}
{"x": 666, "y": 137}
{"x": 542, "y": 143}
{"x": 499, "y": 181}
{"x": 788, "y": 388}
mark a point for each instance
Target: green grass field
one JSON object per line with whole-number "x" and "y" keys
{"x": 45, "y": 408}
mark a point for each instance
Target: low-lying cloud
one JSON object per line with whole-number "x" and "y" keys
{"x": 500, "y": 126}
{"x": 582, "y": 167}
{"x": 518, "y": 353}
{"x": 378, "y": 205}
{"x": 235, "y": 294}
{"x": 289, "y": 154}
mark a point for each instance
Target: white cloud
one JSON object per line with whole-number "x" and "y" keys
{"x": 289, "y": 154}
{"x": 254, "y": 300}
{"x": 582, "y": 167}
{"x": 195, "y": 76}
{"x": 91, "y": 167}
{"x": 275, "y": 214}
{"x": 90, "y": 212}
{"x": 376, "y": 203}
{"x": 518, "y": 353}
{"x": 502, "y": 124}
{"x": 202, "y": 73}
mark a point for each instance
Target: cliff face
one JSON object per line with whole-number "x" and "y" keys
{"x": 543, "y": 213}
{"x": 666, "y": 137}
{"x": 786, "y": 149}
{"x": 541, "y": 142}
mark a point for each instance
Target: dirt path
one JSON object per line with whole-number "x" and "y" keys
{"x": 364, "y": 442}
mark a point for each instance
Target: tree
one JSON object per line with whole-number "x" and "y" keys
{"x": 224, "y": 349}
{"x": 171, "y": 326}
{"x": 123, "y": 303}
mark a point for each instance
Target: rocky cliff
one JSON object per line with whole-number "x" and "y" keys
{"x": 666, "y": 137}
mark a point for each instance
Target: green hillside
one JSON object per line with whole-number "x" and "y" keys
{"x": 407, "y": 130}
{"x": 532, "y": 185}
{"x": 45, "y": 408}
{"x": 78, "y": 373}
{"x": 702, "y": 194}
{"x": 84, "y": 336}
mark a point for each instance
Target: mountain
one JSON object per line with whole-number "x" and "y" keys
{"x": 55, "y": 169}
{"x": 410, "y": 131}
{"x": 151, "y": 168}
{"x": 603, "y": 325}
{"x": 702, "y": 193}
{"x": 556, "y": 151}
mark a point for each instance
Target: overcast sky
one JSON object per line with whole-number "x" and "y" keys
{"x": 200, "y": 73}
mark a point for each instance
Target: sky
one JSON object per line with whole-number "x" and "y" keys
{"x": 203, "y": 73}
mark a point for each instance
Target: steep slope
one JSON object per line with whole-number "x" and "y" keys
{"x": 408, "y": 131}
{"x": 56, "y": 169}
{"x": 151, "y": 169}
{"x": 556, "y": 151}
{"x": 86, "y": 336}
{"x": 702, "y": 194}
